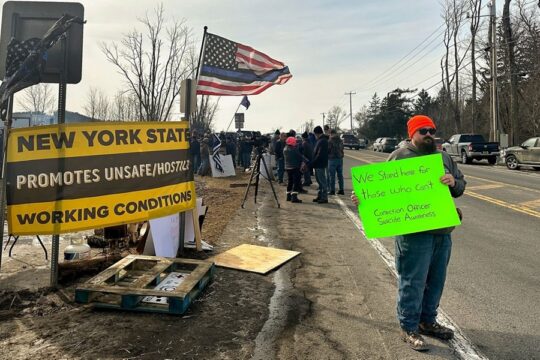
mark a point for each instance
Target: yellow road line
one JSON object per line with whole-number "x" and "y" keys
{"x": 531, "y": 204}
{"x": 502, "y": 183}
{"x": 505, "y": 204}
{"x": 519, "y": 208}
{"x": 357, "y": 158}
{"x": 485, "y": 187}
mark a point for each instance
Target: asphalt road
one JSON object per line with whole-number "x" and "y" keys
{"x": 493, "y": 285}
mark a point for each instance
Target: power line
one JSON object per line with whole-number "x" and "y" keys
{"x": 370, "y": 82}
{"x": 392, "y": 75}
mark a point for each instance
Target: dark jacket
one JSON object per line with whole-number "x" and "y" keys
{"x": 293, "y": 157}
{"x": 335, "y": 148}
{"x": 195, "y": 147}
{"x": 320, "y": 153}
{"x": 278, "y": 149}
{"x": 450, "y": 167}
{"x": 307, "y": 149}
{"x": 246, "y": 146}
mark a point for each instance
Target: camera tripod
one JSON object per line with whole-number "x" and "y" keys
{"x": 255, "y": 173}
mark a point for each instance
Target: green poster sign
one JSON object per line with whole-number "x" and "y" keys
{"x": 403, "y": 196}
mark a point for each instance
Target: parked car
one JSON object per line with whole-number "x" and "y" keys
{"x": 387, "y": 144}
{"x": 376, "y": 144}
{"x": 352, "y": 142}
{"x": 439, "y": 142}
{"x": 471, "y": 147}
{"x": 403, "y": 143}
{"x": 528, "y": 153}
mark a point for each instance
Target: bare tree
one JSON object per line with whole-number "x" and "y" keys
{"x": 512, "y": 73}
{"x": 202, "y": 118}
{"x": 453, "y": 15}
{"x": 153, "y": 64}
{"x": 124, "y": 107}
{"x": 97, "y": 105}
{"x": 335, "y": 117}
{"x": 474, "y": 14}
{"x": 90, "y": 108}
{"x": 38, "y": 99}
{"x": 308, "y": 126}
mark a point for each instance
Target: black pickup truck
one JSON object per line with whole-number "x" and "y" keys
{"x": 471, "y": 147}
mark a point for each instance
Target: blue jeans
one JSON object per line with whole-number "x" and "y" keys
{"x": 204, "y": 168}
{"x": 320, "y": 176}
{"x": 421, "y": 262}
{"x": 335, "y": 166}
{"x": 280, "y": 169}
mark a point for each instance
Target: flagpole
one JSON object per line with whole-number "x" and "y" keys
{"x": 230, "y": 122}
{"x": 201, "y": 54}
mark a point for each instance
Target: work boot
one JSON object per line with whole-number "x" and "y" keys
{"x": 289, "y": 197}
{"x": 341, "y": 192}
{"x": 332, "y": 193}
{"x": 295, "y": 198}
{"x": 436, "y": 330}
{"x": 323, "y": 201}
{"x": 316, "y": 199}
{"x": 414, "y": 340}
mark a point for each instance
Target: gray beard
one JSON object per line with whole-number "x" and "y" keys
{"x": 427, "y": 146}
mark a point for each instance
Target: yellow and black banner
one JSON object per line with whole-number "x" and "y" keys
{"x": 71, "y": 177}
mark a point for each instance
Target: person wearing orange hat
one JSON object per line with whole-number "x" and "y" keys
{"x": 293, "y": 162}
{"x": 422, "y": 258}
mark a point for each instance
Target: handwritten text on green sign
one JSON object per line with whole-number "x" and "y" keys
{"x": 403, "y": 196}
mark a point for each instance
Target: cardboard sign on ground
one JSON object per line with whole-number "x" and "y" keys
{"x": 226, "y": 164}
{"x": 258, "y": 259}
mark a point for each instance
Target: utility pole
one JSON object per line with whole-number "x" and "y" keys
{"x": 494, "y": 133}
{"x": 350, "y": 93}
{"x": 323, "y": 118}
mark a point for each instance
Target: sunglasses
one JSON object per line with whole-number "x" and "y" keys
{"x": 424, "y": 131}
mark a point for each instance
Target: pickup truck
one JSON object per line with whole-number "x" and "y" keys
{"x": 471, "y": 147}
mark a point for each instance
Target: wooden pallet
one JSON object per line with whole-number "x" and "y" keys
{"x": 127, "y": 283}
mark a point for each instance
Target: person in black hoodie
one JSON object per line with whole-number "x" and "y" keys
{"x": 335, "y": 163}
{"x": 307, "y": 151}
{"x": 320, "y": 164}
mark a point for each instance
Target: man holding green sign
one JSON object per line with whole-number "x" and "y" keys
{"x": 412, "y": 199}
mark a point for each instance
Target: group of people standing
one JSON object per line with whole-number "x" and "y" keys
{"x": 319, "y": 153}
{"x": 201, "y": 147}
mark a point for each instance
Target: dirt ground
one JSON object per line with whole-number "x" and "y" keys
{"x": 221, "y": 324}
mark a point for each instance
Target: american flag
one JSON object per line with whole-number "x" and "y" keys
{"x": 17, "y": 52}
{"x": 230, "y": 68}
{"x": 215, "y": 154}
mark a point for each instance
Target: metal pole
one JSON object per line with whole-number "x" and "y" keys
{"x": 350, "y": 93}
{"x": 201, "y": 53}
{"x": 230, "y": 122}
{"x": 495, "y": 120}
{"x": 182, "y": 215}
{"x": 7, "y": 128}
{"x": 323, "y": 118}
{"x": 62, "y": 87}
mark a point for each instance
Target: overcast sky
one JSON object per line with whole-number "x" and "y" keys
{"x": 331, "y": 47}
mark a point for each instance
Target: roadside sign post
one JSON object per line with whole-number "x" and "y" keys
{"x": 24, "y": 20}
{"x": 239, "y": 121}
{"x": 188, "y": 102}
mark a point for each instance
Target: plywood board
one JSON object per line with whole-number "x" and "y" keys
{"x": 258, "y": 259}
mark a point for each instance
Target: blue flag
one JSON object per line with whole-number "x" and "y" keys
{"x": 245, "y": 102}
